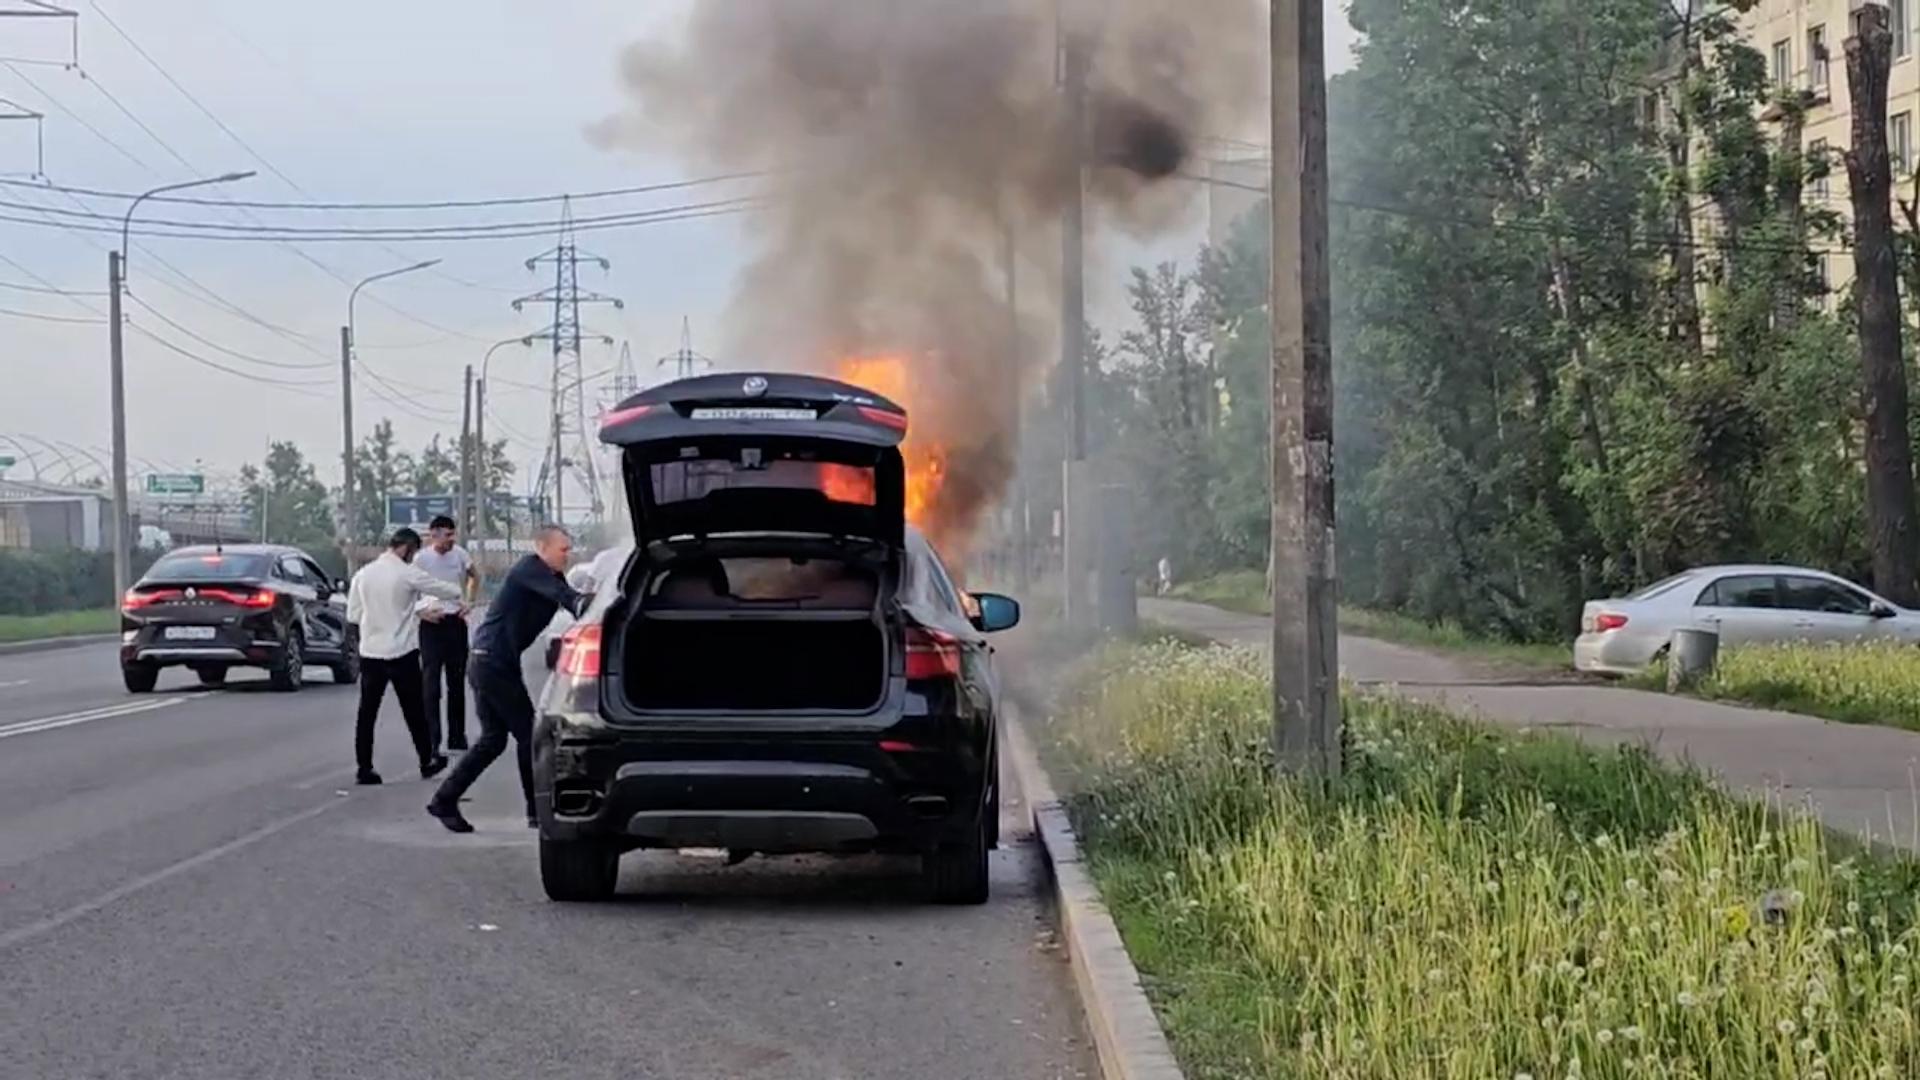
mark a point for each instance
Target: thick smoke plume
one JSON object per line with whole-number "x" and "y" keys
{"x": 903, "y": 141}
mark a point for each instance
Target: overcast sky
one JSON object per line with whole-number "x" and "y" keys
{"x": 352, "y": 101}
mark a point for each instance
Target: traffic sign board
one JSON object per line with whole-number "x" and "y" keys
{"x": 176, "y": 484}
{"x": 417, "y": 510}
{"x": 7, "y": 462}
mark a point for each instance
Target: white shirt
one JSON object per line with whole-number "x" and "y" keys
{"x": 453, "y": 567}
{"x": 384, "y": 600}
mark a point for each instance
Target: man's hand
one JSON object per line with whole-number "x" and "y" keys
{"x": 432, "y": 614}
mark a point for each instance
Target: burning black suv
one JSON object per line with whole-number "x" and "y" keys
{"x": 254, "y": 605}
{"x": 783, "y": 665}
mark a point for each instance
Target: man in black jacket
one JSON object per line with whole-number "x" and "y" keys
{"x": 532, "y": 592}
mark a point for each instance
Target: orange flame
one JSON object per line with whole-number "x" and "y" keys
{"x": 926, "y": 461}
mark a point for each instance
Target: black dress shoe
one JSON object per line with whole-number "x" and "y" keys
{"x": 434, "y": 767}
{"x": 450, "y": 817}
{"x": 366, "y": 778}
{"x": 532, "y": 822}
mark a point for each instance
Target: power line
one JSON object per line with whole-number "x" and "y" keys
{"x": 49, "y": 290}
{"x": 655, "y": 217}
{"x": 216, "y": 346}
{"x": 43, "y": 317}
{"x": 290, "y": 385}
{"x": 76, "y": 118}
{"x": 280, "y": 233}
{"x": 432, "y": 204}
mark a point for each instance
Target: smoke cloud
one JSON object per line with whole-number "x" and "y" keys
{"x": 904, "y": 141}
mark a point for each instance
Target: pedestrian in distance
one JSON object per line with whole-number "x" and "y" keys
{"x": 534, "y": 589}
{"x": 385, "y": 601}
{"x": 444, "y": 636}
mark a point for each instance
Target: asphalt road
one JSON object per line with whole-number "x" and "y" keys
{"x": 190, "y": 888}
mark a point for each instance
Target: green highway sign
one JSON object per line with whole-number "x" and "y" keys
{"x": 176, "y": 484}
{"x": 7, "y": 462}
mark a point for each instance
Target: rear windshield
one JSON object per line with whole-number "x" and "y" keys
{"x": 685, "y": 481}
{"x": 1658, "y": 587}
{"x": 723, "y": 582}
{"x": 210, "y": 567}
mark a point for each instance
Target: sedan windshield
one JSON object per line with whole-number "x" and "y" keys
{"x": 212, "y": 566}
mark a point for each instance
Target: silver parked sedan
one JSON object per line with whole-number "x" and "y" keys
{"x": 1747, "y": 605}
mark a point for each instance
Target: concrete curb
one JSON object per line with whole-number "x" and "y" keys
{"x": 1126, "y": 1033}
{"x": 21, "y": 648}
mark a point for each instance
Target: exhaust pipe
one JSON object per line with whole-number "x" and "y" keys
{"x": 929, "y": 806}
{"x": 576, "y": 802}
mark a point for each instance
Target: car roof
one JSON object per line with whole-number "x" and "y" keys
{"x": 236, "y": 549}
{"x": 1760, "y": 568}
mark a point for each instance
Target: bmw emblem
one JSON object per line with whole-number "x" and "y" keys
{"x": 754, "y": 386}
{"x": 192, "y": 593}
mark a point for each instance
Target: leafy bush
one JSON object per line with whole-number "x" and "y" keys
{"x": 42, "y": 582}
{"x": 1466, "y": 903}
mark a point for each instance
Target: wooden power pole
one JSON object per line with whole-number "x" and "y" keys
{"x": 1306, "y": 689}
{"x": 1890, "y": 498}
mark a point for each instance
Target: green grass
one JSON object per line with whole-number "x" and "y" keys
{"x": 1467, "y": 903}
{"x": 58, "y": 624}
{"x": 1245, "y": 591}
{"x": 1876, "y": 683}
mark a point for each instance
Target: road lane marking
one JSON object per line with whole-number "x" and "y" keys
{"x": 86, "y": 716}
{"x": 54, "y": 922}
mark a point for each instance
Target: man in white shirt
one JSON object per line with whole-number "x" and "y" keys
{"x": 444, "y": 635}
{"x": 384, "y": 601}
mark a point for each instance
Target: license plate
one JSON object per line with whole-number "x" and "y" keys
{"x": 764, "y": 412}
{"x": 190, "y": 633}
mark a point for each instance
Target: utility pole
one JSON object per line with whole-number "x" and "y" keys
{"x": 122, "y": 510}
{"x": 466, "y": 453}
{"x": 569, "y": 391}
{"x": 1306, "y": 692}
{"x": 1023, "y": 570}
{"x": 349, "y": 524}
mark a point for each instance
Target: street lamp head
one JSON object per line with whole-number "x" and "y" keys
{"x": 228, "y": 178}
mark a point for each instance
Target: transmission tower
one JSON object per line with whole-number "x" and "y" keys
{"x": 570, "y": 446}
{"x": 626, "y": 381}
{"x": 685, "y": 360}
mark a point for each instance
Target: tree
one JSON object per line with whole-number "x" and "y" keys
{"x": 286, "y": 501}
{"x": 380, "y": 470}
{"x": 1890, "y": 497}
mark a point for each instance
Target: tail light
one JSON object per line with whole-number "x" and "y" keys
{"x": 580, "y": 652}
{"x": 1608, "y": 620}
{"x": 135, "y": 600}
{"x": 932, "y": 654}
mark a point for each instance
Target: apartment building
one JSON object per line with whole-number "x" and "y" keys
{"x": 1804, "y": 42}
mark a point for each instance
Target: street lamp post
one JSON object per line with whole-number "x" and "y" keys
{"x": 478, "y": 475}
{"x": 116, "y": 278}
{"x": 348, "y": 520}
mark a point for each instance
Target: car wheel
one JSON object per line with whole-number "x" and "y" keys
{"x": 347, "y": 671}
{"x": 958, "y": 874}
{"x": 289, "y": 665}
{"x": 140, "y": 678}
{"x": 993, "y": 807}
{"x": 578, "y": 871}
{"x": 212, "y": 674}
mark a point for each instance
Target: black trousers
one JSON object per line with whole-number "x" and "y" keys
{"x": 500, "y": 697}
{"x": 403, "y": 674}
{"x": 443, "y": 659}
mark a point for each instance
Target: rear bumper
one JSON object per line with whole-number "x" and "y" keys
{"x": 1612, "y": 653}
{"x": 238, "y": 643}
{"x": 774, "y": 796}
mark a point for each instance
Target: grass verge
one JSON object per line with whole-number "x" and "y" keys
{"x": 1465, "y": 902}
{"x": 1245, "y": 591}
{"x": 57, "y": 624}
{"x": 1877, "y": 683}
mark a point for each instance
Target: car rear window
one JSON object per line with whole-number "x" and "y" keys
{"x": 685, "y": 481}
{"x": 211, "y": 566}
{"x": 1658, "y": 587}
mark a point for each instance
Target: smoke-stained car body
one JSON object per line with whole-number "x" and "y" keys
{"x": 783, "y": 665}
{"x": 254, "y": 605}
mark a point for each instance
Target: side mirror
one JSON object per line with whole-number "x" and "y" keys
{"x": 1881, "y": 611}
{"x": 340, "y": 585}
{"x": 996, "y": 612}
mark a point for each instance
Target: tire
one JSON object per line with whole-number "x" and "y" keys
{"x": 578, "y": 871}
{"x": 993, "y": 806}
{"x": 212, "y": 674}
{"x": 347, "y": 671}
{"x": 140, "y": 678}
{"x": 289, "y": 665}
{"x": 958, "y": 874}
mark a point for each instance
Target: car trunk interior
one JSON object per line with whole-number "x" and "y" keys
{"x": 756, "y": 634}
